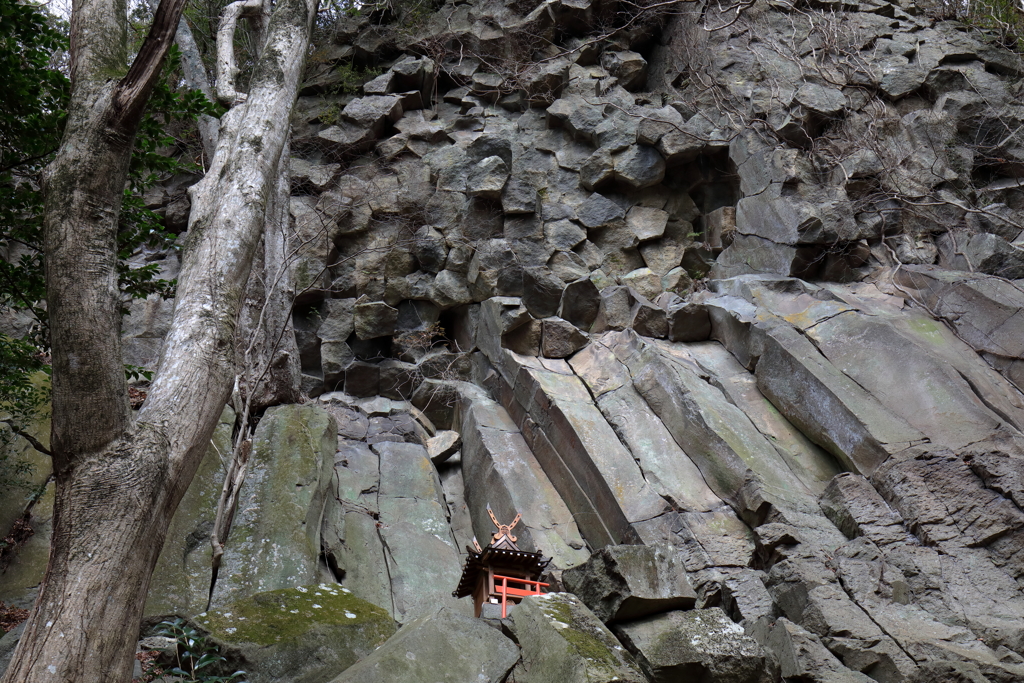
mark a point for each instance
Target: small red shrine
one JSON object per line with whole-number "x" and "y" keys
{"x": 501, "y": 573}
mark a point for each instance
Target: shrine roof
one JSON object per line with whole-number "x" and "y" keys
{"x": 498, "y": 558}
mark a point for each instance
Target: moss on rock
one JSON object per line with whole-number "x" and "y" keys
{"x": 287, "y": 614}
{"x": 563, "y": 640}
{"x": 305, "y": 634}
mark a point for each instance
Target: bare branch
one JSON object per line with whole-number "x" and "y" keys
{"x": 133, "y": 90}
{"x": 33, "y": 441}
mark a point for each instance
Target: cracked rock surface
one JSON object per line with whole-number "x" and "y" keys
{"x": 728, "y": 305}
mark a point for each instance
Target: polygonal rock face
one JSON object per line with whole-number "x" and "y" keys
{"x": 644, "y": 282}
{"x": 275, "y": 539}
{"x": 688, "y": 322}
{"x": 702, "y": 645}
{"x": 542, "y": 292}
{"x": 564, "y": 234}
{"x": 647, "y": 223}
{"x": 562, "y": 640}
{"x": 306, "y": 634}
{"x": 629, "y": 67}
{"x": 649, "y": 320}
{"x": 621, "y": 582}
{"x": 597, "y": 170}
{"x": 337, "y": 322}
{"x": 616, "y": 309}
{"x": 430, "y": 249}
{"x": 598, "y": 212}
{"x": 581, "y": 301}
{"x": 817, "y": 98}
{"x": 443, "y": 445}
{"x": 373, "y": 111}
{"x": 374, "y": 319}
{"x": 639, "y": 166}
{"x": 315, "y": 176}
{"x": 487, "y": 179}
{"x": 560, "y": 339}
{"x": 441, "y": 646}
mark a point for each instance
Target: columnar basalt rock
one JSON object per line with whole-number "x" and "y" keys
{"x": 739, "y": 289}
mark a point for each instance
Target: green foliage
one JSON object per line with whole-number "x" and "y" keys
{"x": 1002, "y": 18}
{"x": 196, "y": 658}
{"x": 32, "y": 114}
{"x": 22, "y": 395}
{"x": 134, "y": 373}
{"x": 32, "y": 109}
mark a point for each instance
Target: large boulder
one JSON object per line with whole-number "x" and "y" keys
{"x": 306, "y": 634}
{"x": 563, "y": 641}
{"x": 19, "y": 582}
{"x": 181, "y": 580}
{"x": 442, "y": 645}
{"x": 700, "y": 645}
{"x": 621, "y": 582}
{"x": 422, "y": 559}
{"x": 275, "y": 539}
{"x": 7, "y": 644}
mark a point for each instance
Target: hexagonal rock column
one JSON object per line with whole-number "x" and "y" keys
{"x": 629, "y": 581}
{"x": 442, "y": 645}
{"x": 563, "y": 642}
{"x": 701, "y": 645}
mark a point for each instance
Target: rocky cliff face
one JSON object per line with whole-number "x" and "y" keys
{"x": 726, "y": 303}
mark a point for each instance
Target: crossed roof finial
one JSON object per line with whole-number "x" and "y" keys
{"x": 504, "y": 530}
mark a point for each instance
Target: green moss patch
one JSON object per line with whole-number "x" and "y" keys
{"x": 578, "y": 634}
{"x": 288, "y": 614}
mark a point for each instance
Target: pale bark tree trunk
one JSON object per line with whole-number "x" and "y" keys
{"x": 119, "y": 481}
{"x": 196, "y": 78}
{"x": 267, "y": 355}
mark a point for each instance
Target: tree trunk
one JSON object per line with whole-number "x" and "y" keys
{"x": 267, "y": 356}
{"x": 119, "y": 481}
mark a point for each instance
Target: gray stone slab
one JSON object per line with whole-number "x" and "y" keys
{"x": 501, "y": 471}
{"x": 696, "y": 645}
{"x": 275, "y": 539}
{"x": 625, "y": 582}
{"x": 441, "y": 643}
{"x": 562, "y": 640}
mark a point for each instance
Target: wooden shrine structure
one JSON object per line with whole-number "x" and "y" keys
{"x": 500, "y": 573}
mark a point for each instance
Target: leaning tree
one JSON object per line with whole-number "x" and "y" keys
{"x": 119, "y": 476}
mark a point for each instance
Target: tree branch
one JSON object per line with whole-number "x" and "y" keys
{"x": 133, "y": 90}
{"x": 227, "y": 70}
{"x": 33, "y": 441}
